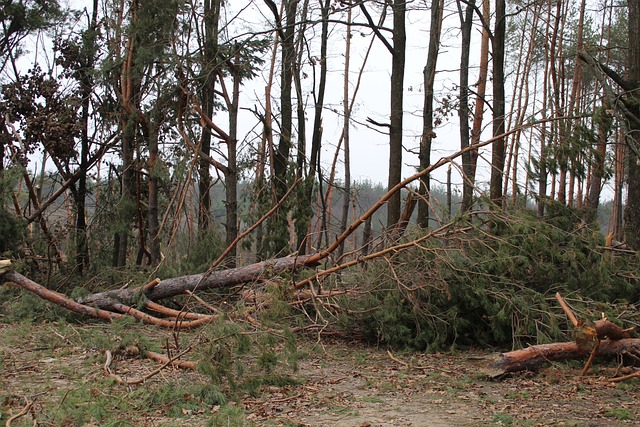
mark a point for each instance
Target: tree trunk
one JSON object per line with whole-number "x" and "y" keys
{"x": 632, "y": 210}
{"x": 129, "y": 88}
{"x": 397, "y": 92}
{"x": 478, "y": 114}
{"x": 152, "y": 186}
{"x": 231, "y": 188}
{"x": 345, "y": 137}
{"x": 316, "y": 137}
{"x": 466, "y": 23}
{"x": 278, "y": 237}
{"x": 498, "y": 151}
{"x": 428, "y": 133}
{"x": 199, "y": 282}
{"x": 209, "y": 64}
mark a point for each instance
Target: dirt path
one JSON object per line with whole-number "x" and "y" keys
{"x": 59, "y": 370}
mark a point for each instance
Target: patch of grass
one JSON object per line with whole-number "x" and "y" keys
{"x": 619, "y": 414}
{"x": 503, "y": 419}
{"x": 517, "y": 395}
{"x": 372, "y": 399}
{"x": 229, "y": 416}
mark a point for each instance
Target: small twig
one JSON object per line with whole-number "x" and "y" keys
{"x": 164, "y": 359}
{"x": 410, "y": 366}
{"x": 201, "y": 301}
{"x": 22, "y": 413}
{"x": 286, "y": 399}
{"x": 625, "y": 377}
{"x": 566, "y": 309}
{"x": 107, "y": 368}
{"x": 167, "y": 361}
{"x": 159, "y": 369}
{"x": 62, "y": 337}
{"x": 392, "y": 357}
{"x": 591, "y": 357}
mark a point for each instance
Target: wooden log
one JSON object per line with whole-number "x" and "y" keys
{"x": 211, "y": 280}
{"x": 532, "y": 358}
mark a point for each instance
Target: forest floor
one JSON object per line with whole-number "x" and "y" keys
{"x": 57, "y": 370}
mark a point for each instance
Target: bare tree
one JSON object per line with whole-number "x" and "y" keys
{"x": 397, "y": 92}
{"x": 466, "y": 24}
{"x": 428, "y": 134}
{"x": 498, "y": 151}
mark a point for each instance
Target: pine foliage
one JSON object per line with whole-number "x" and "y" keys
{"x": 490, "y": 286}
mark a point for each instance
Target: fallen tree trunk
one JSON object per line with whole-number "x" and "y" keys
{"x": 211, "y": 280}
{"x": 532, "y": 358}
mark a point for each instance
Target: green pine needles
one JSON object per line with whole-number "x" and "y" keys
{"x": 491, "y": 286}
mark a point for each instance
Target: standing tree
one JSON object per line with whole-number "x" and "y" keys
{"x": 78, "y": 59}
{"x": 209, "y": 65}
{"x": 466, "y": 23}
{"x": 498, "y": 151}
{"x": 398, "y": 53}
{"x": 632, "y": 210}
{"x": 428, "y": 134}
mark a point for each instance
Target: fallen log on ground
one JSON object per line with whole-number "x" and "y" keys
{"x": 69, "y": 304}
{"x": 532, "y": 358}
{"x": 111, "y": 305}
{"x": 211, "y": 280}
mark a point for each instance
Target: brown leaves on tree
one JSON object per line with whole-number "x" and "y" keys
{"x": 45, "y": 113}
